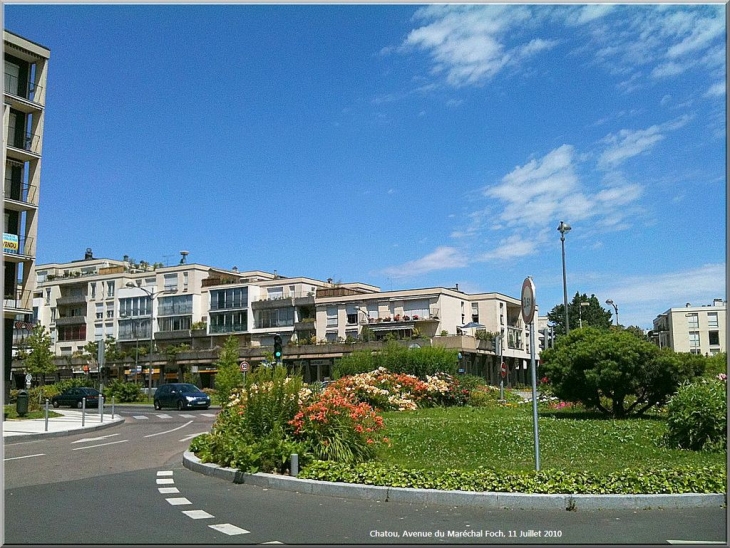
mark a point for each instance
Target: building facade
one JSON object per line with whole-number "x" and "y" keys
{"x": 26, "y": 72}
{"x": 186, "y": 312}
{"x": 693, "y": 329}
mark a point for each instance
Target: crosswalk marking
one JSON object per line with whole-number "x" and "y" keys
{"x": 187, "y": 416}
{"x": 165, "y": 481}
{"x": 168, "y": 490}
{"x": 229, "y": 529}
{"x": 178, "y": 501}
{"x": 164, "y": 416}
{"x": 164, "y": 473}
{"x": 140, "y": 417}
{"x": 197, "y": 514}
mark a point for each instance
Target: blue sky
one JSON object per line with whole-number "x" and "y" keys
{"x": 398, "y": 145}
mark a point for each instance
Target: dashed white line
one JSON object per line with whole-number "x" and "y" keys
{"x": 197, "y": 514}
{"x": 179, "y": 501}
{"x": 168, "y": 490}
{"x": 165, "y": 481}
{"x": 26, "y": 456}
{"x": 95, "y": 439}
{"x": 99, "y": 445}
{"x": 229, "y": 529}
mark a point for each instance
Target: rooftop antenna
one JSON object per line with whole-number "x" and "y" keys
{"x": 184, "y": 255}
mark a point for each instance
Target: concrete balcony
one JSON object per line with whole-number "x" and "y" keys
{"x": 73, "y": 299}
{"x": 71, "y": 320}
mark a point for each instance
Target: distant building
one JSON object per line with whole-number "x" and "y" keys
{"x": 196, "y": 308}
{"x": 26, "y": 69}
{"x": 693, "y": 329}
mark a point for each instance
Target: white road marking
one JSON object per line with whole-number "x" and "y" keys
{"x": 141, "y": 417}
{"x": 95, "y": 439}
{"x": 229, "y": 529}
{"x": 207, "y": 414}
{"x": 191, "y": 436}
{"x": 186, "y": 416}
{"x": 164, "y": 472}
{"x": 165, "y": 481}
{"x": 27, "y": 456}
{"x": 99, "y": 445}
{"x": 164, "y": 416}
{"x": 168, "y": 490}
{"x": 197, "y": 514}
{"x": 168, "y": 431}
{"x": 696, "y": 542}
{"x": 178, "y": 501}
{"x": 272, "y": 542}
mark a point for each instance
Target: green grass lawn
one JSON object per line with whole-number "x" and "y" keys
{"x": 502, "y": 438}
{"x": 11, "y": 413}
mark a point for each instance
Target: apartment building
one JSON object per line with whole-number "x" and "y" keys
{"x": 26, "y": 72}
{"x": 196, "y": 308}
{"x": 693, "y": 329}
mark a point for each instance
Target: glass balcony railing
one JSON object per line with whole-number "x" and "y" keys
{"x": 21, "y": 88}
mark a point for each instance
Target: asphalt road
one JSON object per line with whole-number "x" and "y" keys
{"x": 127, "y": 485}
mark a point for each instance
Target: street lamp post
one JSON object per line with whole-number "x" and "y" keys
{"x": 563, "y": 228}
{"x": 615, "y": 307}
{"x": 151, "y": 296}
{"x": 580, "y": 313}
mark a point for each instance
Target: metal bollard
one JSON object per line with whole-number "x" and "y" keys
{"x": 294, "y": 472}
{"x": 101, "y": 408}
{"x": 112, "y": 407}
{"x": 83, "y": 411}
{"x": 46, "y": 430}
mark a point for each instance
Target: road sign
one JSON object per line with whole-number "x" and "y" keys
{"x": 528, "y": 300}
{"x": 245, "y": 366}
{"x": 28, "y": 378}
{"x": 503, "y": 370}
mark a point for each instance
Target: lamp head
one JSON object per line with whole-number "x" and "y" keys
{"x": 564, "y": 227}
{"x": 609, "y": 301}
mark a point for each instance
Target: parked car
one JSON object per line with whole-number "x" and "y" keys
{"x": 181, "y": 395}
{"x": 74, "y": 397}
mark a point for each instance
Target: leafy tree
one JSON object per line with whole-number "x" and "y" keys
{"x": 636, "y": 330}
{"x": 612, "y": 371}
{"x": 39, "y": 358}
{"x": 716, "y": 364}
{"x": 228, "y": 375}
{"x": 593, "y": 315}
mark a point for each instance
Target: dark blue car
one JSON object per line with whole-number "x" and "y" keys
{"x": 181, "y": 395}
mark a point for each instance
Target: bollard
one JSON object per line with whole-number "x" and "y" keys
{"x": 83, "y": 411}
{"x": 294, "y": 465}
{"x": 46, "y": 430}
{"x": 112, "y": 407}
{"x": 101, "y": 408}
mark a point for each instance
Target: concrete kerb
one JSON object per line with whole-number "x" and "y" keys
{"x": 456, "y": 498}
{"x": 45, "y": 435}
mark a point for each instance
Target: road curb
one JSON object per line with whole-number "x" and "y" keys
{"x": 495, "y": 500}
{"x": 58, "y": 434}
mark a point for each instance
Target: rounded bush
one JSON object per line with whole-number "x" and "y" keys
{"x": 697, "y": 416}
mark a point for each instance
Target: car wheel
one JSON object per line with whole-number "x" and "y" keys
{"x": 56, "y": 404}
{"x": 180, "y": 405}
{"x": 157, "y": 405}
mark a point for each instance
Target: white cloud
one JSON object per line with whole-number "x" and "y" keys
{"x": 442, "y": 258}
{"x": 512, "y": 247}
{"x": 589, "y": 13}
{"x": 716, "y": 90}
{"x": 628, "y": 143}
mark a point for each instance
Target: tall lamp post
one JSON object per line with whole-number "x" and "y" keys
{"x": 615, "y": 307}
{"x": 151, "y": 296}
{"x": 563, "y": 228}
{"x": 580, "y": 313}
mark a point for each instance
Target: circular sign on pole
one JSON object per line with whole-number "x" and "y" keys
{"x": 503, "y": 370}
{"x": 28, "y": 378}
{"x": 528, "y": 300}
{"x": 244, "y": 366}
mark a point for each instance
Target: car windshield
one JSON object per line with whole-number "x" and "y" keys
{"x": 189, "y": 389}
{"x": 91, "y": 391}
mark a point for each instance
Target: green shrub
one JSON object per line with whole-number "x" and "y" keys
{"x": 697, "y": 416}
{"x": 397, "y": 358}
{"x": 707, "y": 479}
{"x": 122, "y": 392}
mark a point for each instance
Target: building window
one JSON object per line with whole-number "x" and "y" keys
{"x": 185, "y": 281}
{"x": 694, "y": 342}
{"x": 110, "y": 289}
{"x": 72, "y": 333}
{"x": 714, "y": 338}
{"x": 171, "y": 306}
{"x": 99, "y": 311}
{"x": 229, "y": 322}
{"x": 92, "y": 287}
{"x": 351, "y": 315}
{"x": 331, "y": 317}
{"x": 712, "y": 319}
{"x": 170, "y": 282}
{"x": 132, "y": 307}
{"x": 175, "y": 323}
{"x": 693, "y": 321}
{"x": 135, "y": 329}
{"x": 221, "y": 299}
{"x": 276, "y": 317}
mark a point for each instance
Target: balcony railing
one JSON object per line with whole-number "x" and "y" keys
{"x": 17, "y": 300}
{"x": 71, "y": 299}
{"x": 26, "y": 141}
{"x": 71, "y": 320}
{"x": 20, "y": 192}
{"x": 25, "y": 89}
{"x": 235, "y": 328}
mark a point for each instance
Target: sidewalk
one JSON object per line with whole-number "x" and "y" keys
{"x": 69, "y": 423}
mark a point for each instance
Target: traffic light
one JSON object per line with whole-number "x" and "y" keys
{"x": 277, "y": 348}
